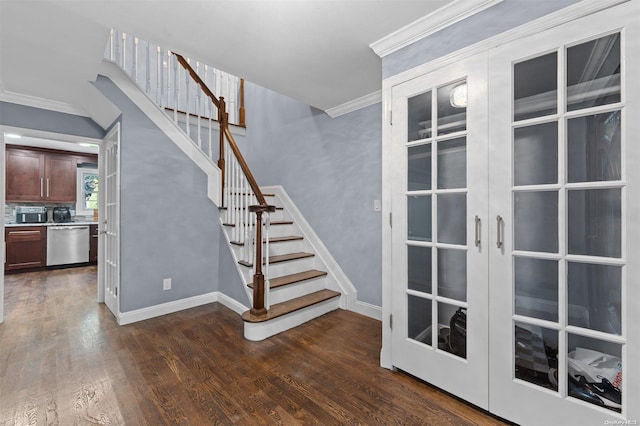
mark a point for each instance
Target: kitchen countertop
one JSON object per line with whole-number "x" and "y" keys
{"x": 11, "y": 225}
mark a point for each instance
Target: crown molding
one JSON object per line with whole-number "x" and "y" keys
{"x": 559, "y": 17}
{"x": 42, "y": 103}
{"x": 429, "y": 24}
{"x": 355, "y": 104}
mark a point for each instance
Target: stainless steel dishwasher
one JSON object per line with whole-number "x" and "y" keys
{"x": 67, "y": 244}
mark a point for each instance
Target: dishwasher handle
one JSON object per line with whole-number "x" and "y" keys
{"x": 58, "y": 228}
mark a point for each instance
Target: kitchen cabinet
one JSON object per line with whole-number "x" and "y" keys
{"x": 38, "y": 175}
{"x": 93, "y": 243}
{"x": 26, "y": 247}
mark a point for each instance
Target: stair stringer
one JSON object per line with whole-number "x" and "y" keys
{"x": 164, "y": 123}
{"x": 337, "y": 279}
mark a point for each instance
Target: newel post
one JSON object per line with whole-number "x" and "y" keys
{"x": 258, "y": 278}
{"x": 242, "y": 122}
{"x": 222, "y": 122}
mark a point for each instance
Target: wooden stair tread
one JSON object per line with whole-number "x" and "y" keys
{"x": 292, "y": 305}
{"x": 244, "y": 208}
{"x": 289, "y": 256}
{"x": 274, "y": 240}
{"x": 251, "y": 193}
{"x": 280, "y": 258}
{"x": 281, "y": 222}
{"x": 293, "y": 278}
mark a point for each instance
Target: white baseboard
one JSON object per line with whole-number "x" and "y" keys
{"x": 167, "y": 308}
{"x": 232, "y": 304}
{"x": 367, "y": 309}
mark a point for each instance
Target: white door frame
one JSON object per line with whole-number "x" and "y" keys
{"x": 4, "y": 247}
{"x": 102, "y": 206}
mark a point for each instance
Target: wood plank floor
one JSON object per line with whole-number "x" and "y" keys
{"x": 64, "y": 361}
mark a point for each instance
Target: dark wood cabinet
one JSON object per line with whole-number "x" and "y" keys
{"x": 25, "y": 175}
{"x": 26, "y": 247}
{"x": 38, "y": 175}
{"x": 60, "y": 177}
{"x": 93, "y": 243}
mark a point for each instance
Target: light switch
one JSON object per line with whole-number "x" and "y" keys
{"x": 377, "y": 206}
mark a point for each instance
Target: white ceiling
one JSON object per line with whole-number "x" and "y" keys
{"x": 316, "y": 51}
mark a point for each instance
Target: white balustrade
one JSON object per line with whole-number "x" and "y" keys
{"x": 171, "y": 87}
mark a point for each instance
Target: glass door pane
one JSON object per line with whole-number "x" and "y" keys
{"x": 440, "y": 275}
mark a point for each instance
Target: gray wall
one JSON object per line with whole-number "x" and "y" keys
{"x": 331, "y": 168}
{"x": 495, "y": 20}
{"x": 169, "y": 228}
{"x": 27, "y": 117}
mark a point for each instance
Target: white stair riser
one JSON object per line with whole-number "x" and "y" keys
{"x": 282, "y": 230}
{"x": 262, "y": 330}
{"x": 291, "y": 267}
{"x": 285, "y": 247}
{"x": 291, "y": 291}
{"x": 282, "y": 268}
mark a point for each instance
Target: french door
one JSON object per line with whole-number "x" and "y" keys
{"x": 516, "y": 224}
{"x": 440, "y": 269}
{"x": 110, "y": 245}
{"x": 563, "y": 190}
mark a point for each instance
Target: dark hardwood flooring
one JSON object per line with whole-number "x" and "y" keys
{"x": 65, "y": 361}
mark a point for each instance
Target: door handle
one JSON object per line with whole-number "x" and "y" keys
{"x": 47, "y": 187}
{"x": 498, "y": 233}
{"x": 477, "y": 230}
{"x": 41, "y": 187}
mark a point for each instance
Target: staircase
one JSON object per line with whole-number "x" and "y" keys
{"x": 295, "y": 279}
{"x": 300, "y": 284}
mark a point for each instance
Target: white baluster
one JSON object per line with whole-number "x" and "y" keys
{"x": 134, "y": 65}
{"x": 267, "y": 284}
{"x": 123, "y": 61}
{"x": 176, "y": 96}
{"x": 187, "y": 79}
{"x": 159, "y": 76}
{"x": 198, "y": 96}
{"x": 210, "y": 106}
{"x": 227, "y": 181}
{"x": 168, "y": 66}
{"x": 111, "y": 52}
{"x": 148, "y": 70}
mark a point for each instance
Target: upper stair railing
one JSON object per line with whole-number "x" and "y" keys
{"x": 183, "y": 92}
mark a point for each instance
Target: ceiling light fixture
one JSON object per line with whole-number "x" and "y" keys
{"x": 87, "y": 144}
{"x": 458, "y": 96}
{"x": 12, "y": 135}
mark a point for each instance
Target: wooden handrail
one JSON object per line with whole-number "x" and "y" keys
{"x": 197, "y": 79}
{"x": 245, "y": 168}
{"x": 258, "y": 307}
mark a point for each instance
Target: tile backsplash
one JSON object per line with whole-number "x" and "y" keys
{"x": 10, "y": 214}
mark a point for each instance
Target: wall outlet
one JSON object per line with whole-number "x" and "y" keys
{"x": 166, "y": 284}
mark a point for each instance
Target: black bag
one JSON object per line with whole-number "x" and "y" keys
{"x": 458, "y": 333}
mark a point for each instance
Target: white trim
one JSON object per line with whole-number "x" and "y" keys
{"x": 42, "y": 134}
{"x": 3, "y": 247}
{"x": 166, "y": 308}
{"x": 348, "y": 290}
{"x": 562, "y": 16}
{"x": 258, "y": 331}
{"x": 168, "y": 127}
{"x": 42, "y": 103}
{"x": 355, "y": 104}
{"x": 367, "y": 309}
{"x": 231, "y": 303}
{"x": 430, "y": 24}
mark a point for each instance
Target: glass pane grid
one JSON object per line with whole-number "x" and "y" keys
{"x": 586, "y": 329}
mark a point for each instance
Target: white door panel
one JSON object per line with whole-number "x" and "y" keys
{"x": 562, "y": 133}
{"x": 110, "y": 243}
{"x": 440, "y": 188}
